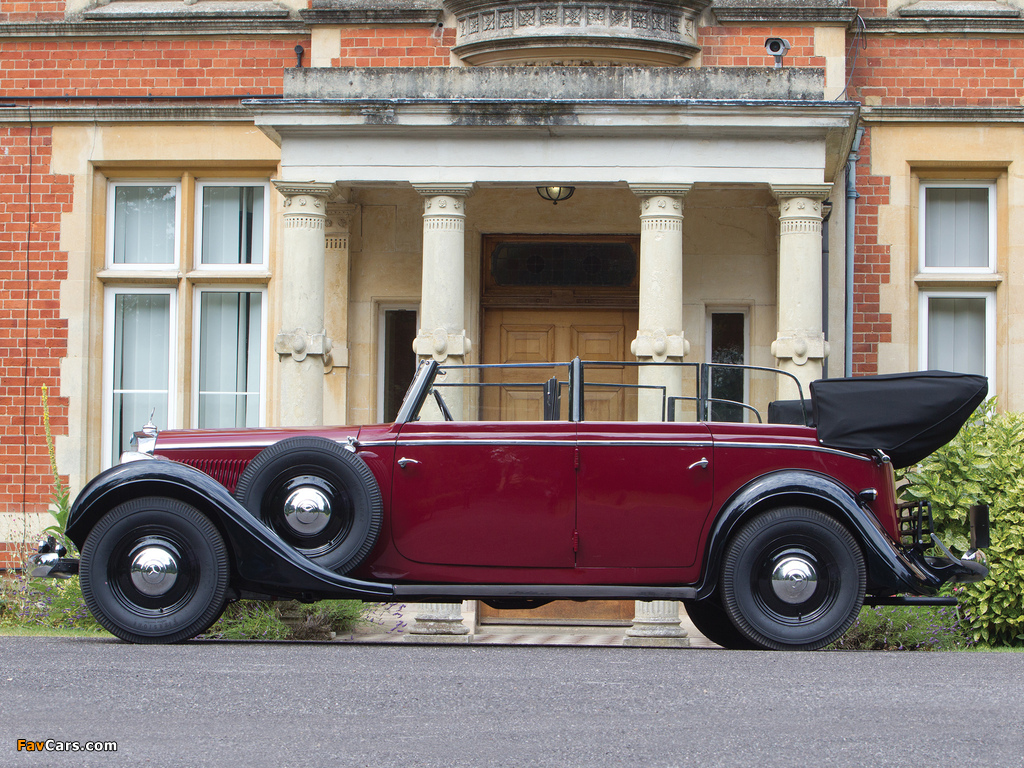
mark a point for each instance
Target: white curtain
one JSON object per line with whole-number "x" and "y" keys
{"x": 144, "y": 224}
{"x": 956, "y": 334}
{"x": 230, "y": 330}
{"x": 232, "y": 225}
{"x": 142, "y": 339}
{"x": 956, "y": 227}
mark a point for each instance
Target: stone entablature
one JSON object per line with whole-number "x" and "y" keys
{"x": 527, "y": 32}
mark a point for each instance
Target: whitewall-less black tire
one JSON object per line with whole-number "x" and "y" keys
{"x": 793, "y": 578}
{"x": 154, "y": 570}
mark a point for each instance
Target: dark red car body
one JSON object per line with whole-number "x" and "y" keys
{"x": 771, "y": 537}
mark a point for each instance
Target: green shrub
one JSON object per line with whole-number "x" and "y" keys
{"x": 983, "y": 464}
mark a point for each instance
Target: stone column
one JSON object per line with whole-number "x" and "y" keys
{"x": 302, "y": 344}
{"x": 442, "y": 336}
{"x": 438, "y": 622}
{"x": 660, "y": 336}
{"x": 800, "y": 344}
{"x": 657, "y": 623}
{"x": 336, "y": 309}
{"x": 660, "y": 339}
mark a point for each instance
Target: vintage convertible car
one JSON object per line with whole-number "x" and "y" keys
{"x": 518, "y": 485}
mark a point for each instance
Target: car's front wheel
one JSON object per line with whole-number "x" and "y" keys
{"x": 793, "y": 579}
{"x": 154, "y": 570}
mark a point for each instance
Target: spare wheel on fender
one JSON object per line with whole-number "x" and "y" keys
{"x": 318, "y": 496}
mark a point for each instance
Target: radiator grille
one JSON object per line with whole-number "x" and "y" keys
{"x": 224, "y": 471}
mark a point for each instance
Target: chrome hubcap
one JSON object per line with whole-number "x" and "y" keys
{"x": 794, "y": 580}
{"x": 307, "y": 510}
{"x": 154, "y": 571}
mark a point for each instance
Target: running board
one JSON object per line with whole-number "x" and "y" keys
{"x": 453, "y": 592}
{"x": 911, "y": 600}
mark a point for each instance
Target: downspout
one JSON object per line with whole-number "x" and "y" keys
{"x": 851, "y": 219}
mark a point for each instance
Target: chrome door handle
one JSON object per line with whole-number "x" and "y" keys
{"x": 702, "y": 464}
{"x": 404, "y": 462}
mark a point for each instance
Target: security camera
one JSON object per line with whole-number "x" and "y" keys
{"x": 778, "y": 48}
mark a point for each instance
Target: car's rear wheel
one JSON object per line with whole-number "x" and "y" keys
{"x": 793, "y": 579}
{"x": 714, "y": 623}
{"x": 318, "y": 496}
{"x": 154, "y": 570}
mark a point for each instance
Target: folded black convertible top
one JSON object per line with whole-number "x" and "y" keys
{"x": 907, "y": 415}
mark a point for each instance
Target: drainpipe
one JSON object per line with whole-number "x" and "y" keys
{"x": 851, "y": 219}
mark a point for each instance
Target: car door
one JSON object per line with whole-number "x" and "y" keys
{"x": 644, "y": 492}
{"x": 485, "y": 493}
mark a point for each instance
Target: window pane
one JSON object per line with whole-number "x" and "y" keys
{"x": 956, "y": 334}
{"x": 142, "y": 338}
{"x": 727, "y": 346}
{"x": 232, "y": 225}
{"x": 229, "y": 358}
{"x": 956, "y": 227}
{"x": 144, "y": 224}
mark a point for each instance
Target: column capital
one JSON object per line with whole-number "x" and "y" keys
{"x": 319, "y": 190}
{"x": 444, "y": 190}
{"x": 817, "y": 192}
{"x": 339, "y": 216}
{"x": 663, "y": 190}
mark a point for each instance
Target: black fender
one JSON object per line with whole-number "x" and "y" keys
{"x": 889, "y": 568}
{"x": 261, "y": 562}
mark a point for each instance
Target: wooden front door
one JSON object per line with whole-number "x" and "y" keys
{"x": 558, "y": 335}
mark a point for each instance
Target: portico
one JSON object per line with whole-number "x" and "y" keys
{"x": 430, "y": 161}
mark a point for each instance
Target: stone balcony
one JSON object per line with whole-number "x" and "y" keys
{"x": 525, "y": 32}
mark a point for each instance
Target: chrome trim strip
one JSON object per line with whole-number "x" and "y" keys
{"x": 568, "y": 443}
{"x": 792, "y": 447}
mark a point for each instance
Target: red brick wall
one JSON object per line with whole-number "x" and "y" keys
{"x": 946, "y": 71}
{"x": 32, "y": 10}
{"x": 33, "y": 337}
{"x": 184, "y": 68}
{"x": 872, "y": 265}
{"x": 734, "y": 46}
{"x": 395, "y": 47}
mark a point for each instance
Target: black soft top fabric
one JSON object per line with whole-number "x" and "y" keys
{"x": 907, "y": 415}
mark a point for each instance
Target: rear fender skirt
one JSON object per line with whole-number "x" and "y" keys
{"x": 261, "y": 562}
{"x": 888, "y": 568}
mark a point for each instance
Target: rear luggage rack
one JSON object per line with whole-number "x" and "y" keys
{"x": 915, "y": 524}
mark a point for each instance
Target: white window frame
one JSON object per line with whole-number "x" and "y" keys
{"x": 109, "y": 301}
{"x": 990, "y": 326}
{"x": 111, "y": 227}
{"x": 922, "y": 229}
{"x": 732, "y": 310}
{"x": 197, "y": 257}
{"x": 382, "y": 310}
{"x": 197, "y": 338}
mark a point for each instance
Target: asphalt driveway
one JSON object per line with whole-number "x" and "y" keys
{"x": 292, "y": 704}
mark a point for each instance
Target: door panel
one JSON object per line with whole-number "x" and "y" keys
{"x": 643, "y": 493}
{"x": 485, "y": 494}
